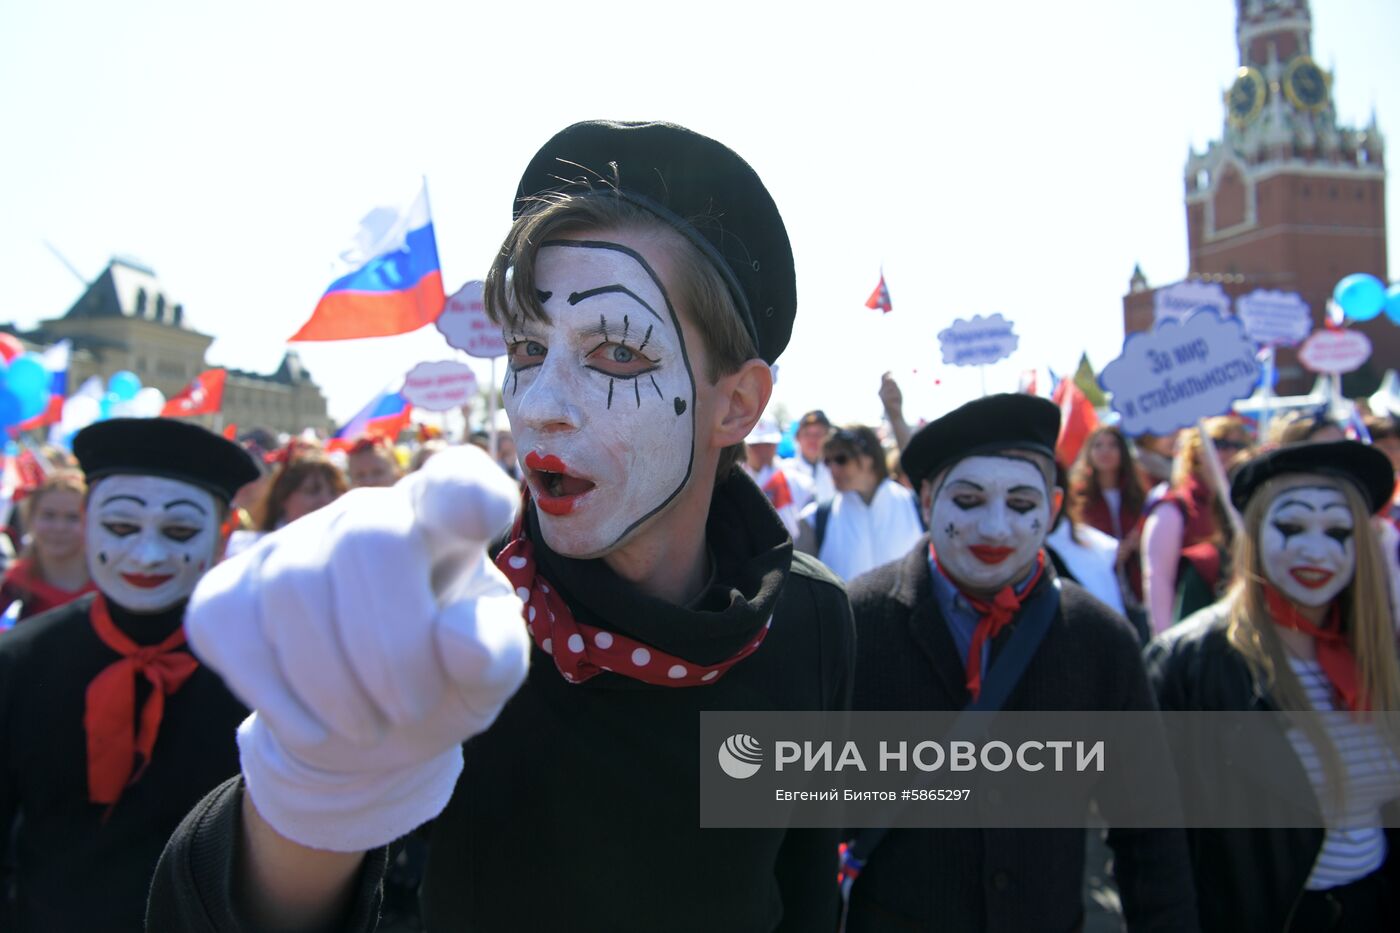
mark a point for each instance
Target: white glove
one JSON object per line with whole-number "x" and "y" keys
{"x": 371, "y": 637}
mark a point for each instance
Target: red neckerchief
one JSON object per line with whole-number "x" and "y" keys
{"x": 1333, "y": 651}
{"x": 581, "y": 651}
{"x": 39, "y": 594}
{"x": 995, "y": 614}
{"x": 113, "y": 740}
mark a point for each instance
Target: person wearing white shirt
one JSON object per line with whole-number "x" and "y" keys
{"x": 871, "y": 521}
{"x": 812, "y": 432}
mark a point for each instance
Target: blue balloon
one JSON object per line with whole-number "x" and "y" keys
{"x": 104, "y": 407}
{"x": 27, "y": 375}
{"x": 9, "y": 408}
{"x": 33, "y": 404}
{"x": 1361, "y": 296}
{"x": 124, "y": 385}
{"x": 1392, "y": 302}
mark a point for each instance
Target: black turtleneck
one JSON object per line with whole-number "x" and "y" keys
{"x": 579, "y": 809}
{"x": 68, "y": 867}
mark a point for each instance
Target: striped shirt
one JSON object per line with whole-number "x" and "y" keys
{"x": 1354, "y": 845}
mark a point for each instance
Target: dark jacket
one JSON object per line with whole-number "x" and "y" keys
{"x": 77, "y": 865}
{"x": 1248, "y": 880}
{"x": 995, "y": 880}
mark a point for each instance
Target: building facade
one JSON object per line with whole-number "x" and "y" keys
{"x": 1286, "y": 199}
{"x": 125, "y": 320}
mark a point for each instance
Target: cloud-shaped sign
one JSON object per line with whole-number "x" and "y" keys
{"x": 1180, "y": 301}
{"x": 978, "y": 342}
{"x": 1274, "y": 317}
{"x": 464, "y": 323}
{"x": 1180, "y": 372}
{"x": 440, "y": 386}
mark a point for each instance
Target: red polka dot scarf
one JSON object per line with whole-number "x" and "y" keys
{"x": 582, "y": 651}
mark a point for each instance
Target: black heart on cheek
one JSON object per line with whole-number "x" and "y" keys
{"x": 680, "y": 405}
{"x": 102, "y": 557}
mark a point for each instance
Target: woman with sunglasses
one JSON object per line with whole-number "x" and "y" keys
{"x": 1303, "y": 630}
{"x": 872, "y": 521}
{"x": 1184, "y": 518}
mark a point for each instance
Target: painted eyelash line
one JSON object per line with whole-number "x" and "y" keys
{"x": 626, "y": 326}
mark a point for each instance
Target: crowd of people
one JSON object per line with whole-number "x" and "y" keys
{"x": 412, "y": 684}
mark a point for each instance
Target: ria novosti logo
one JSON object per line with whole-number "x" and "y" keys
{"x": 740, "y": 756}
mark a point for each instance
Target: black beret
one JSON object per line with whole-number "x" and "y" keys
{"x": 982, "y": 426}
{"x": 164, "y": 447}
{"x": 700, "y": 187}
{"x": 1365, "y": 467}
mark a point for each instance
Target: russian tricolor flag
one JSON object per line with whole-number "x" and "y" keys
{"x": 387, "y": 414}
{"x": 393, "y": 282}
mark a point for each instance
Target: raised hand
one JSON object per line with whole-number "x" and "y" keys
{"x": 371, "y": 637}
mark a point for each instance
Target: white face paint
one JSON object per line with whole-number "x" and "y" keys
{"x": 1307, "y": 544}
{"x": 601, "y": 399}
{"x": 149, "y": 540}
{"x": 989, "y": 518}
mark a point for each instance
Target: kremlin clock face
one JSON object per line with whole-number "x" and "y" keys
{"x": 1305, "y": 84}
{"x": 1246, "y": 97}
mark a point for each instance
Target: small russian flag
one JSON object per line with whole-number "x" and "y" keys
{"x": 879, "y": 299}
{"x": 393, "y": 284}
{"x": 385, "y": 416}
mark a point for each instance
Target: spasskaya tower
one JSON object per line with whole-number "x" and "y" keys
{"x": 1286, "y": 198}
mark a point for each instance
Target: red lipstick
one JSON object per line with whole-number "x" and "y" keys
{"x": 1312, "y": 577}
{"x": 556, "y": 490}
{"x": 991, "y": 555}
{"x": 145, "y": 581}
{"x": 549, "y": 464}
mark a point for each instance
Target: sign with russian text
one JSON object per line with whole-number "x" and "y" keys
{"x": 440, "y": 386}
{"x": 1334, "y": 351}
{"x": 465, "y": 325}
{"x": 1177, "y": 302}
{"x": 1180, "y": 372}
{"x": 1274, "y": 318}
{"x": 978, "y": 342}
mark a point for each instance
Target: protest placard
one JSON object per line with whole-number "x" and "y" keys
{"x": 440, "y": 386}
{"x": 1179, "y": 372}
{"x": 1176, "y": 302}
{"x": 1274, "y": 318}
{"x": 978, "y": 342}
{"x": 465, "y": 325}
{"x": 1334, "y": 351}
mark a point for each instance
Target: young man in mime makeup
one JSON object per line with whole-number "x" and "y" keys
{"x": 932, "y": 630}
{"x": 110, "y": 730}
{"x": 644, "y": 291}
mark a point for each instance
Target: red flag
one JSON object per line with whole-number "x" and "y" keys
{"x": 880, "y": 297}
{"x": 231, "y": 432}
{"x": 1077, "y": 420}
{"x": 53, "y": 414}
{"x": 30, "y": 472}
{"x": 203, "y": 396}
{"x": 777, "y": 490}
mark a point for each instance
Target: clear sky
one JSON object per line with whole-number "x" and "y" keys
{"x": 1014, "y": 157}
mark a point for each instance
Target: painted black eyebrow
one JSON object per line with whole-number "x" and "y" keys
{"x": 968, "y": 482}
{"x": 190, "y": 502}
{"x": 576, "y": 297}
{"x": 137, "y": 499}
{"x": 1023, "y": 488}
